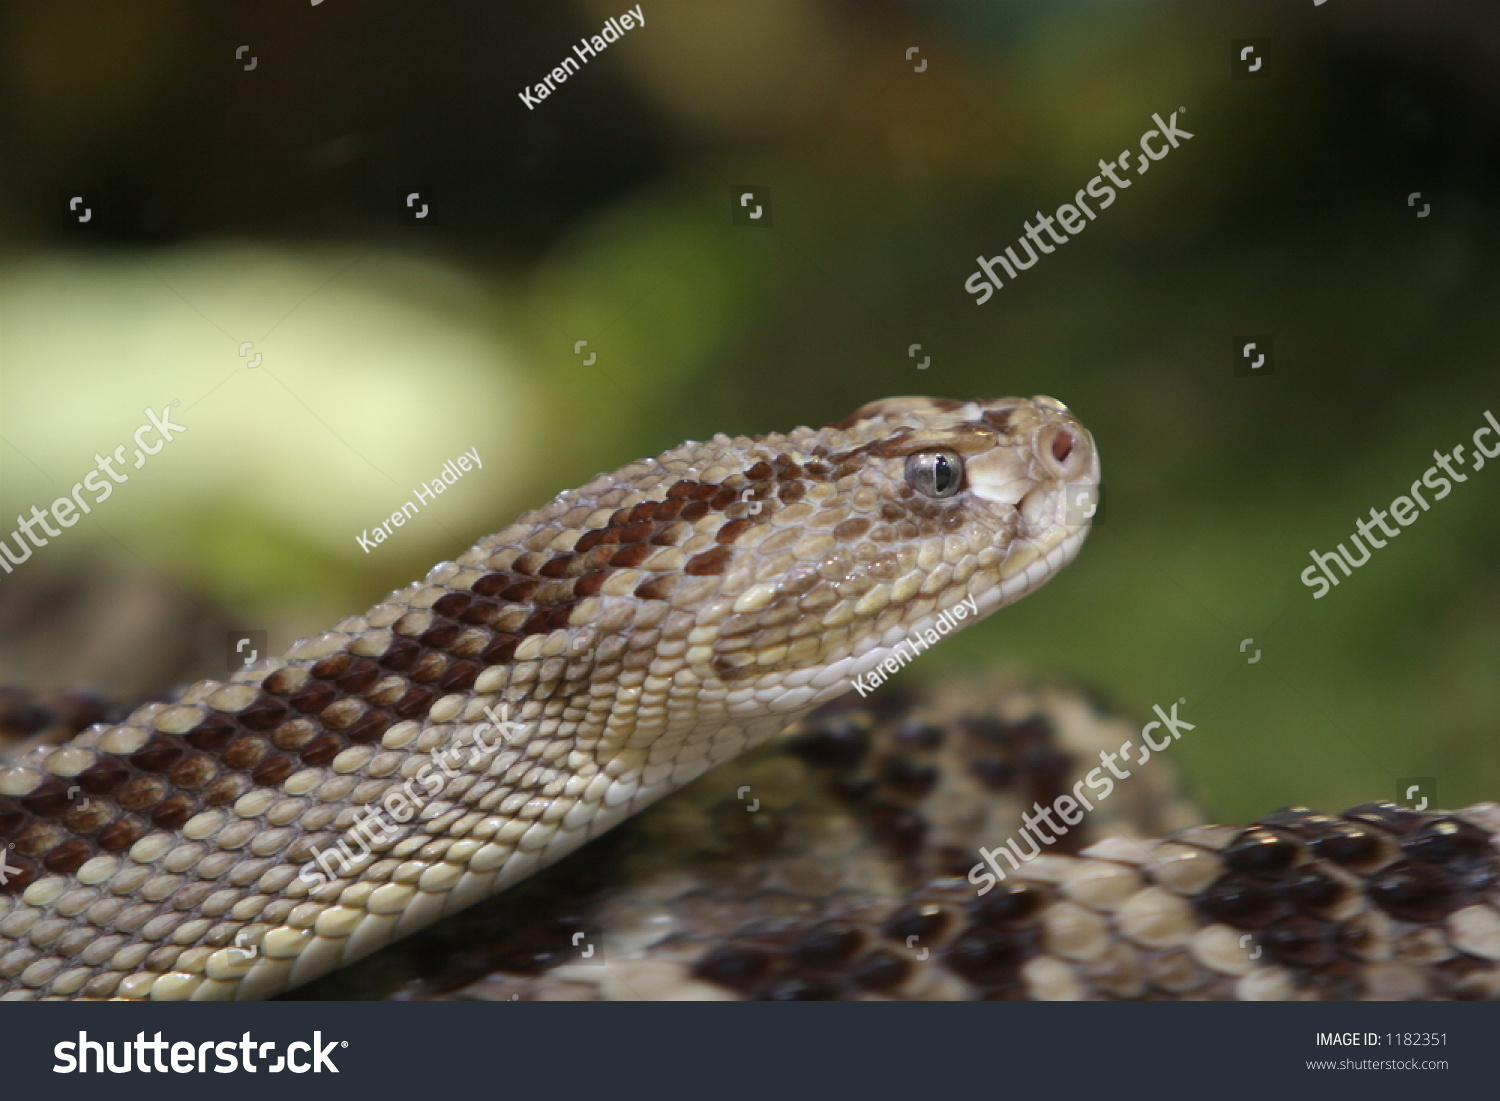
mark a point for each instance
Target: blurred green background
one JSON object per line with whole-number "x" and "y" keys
{"x": 257, "y": 195}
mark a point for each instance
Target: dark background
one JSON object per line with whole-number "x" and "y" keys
{"x": 267, "y": 206}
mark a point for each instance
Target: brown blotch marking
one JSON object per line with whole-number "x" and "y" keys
{"x": 281, "y": 681}
{"x": 760, "y": 472}
{"x": 491, "y": 584}
{"x": 273, "y": 770}
{"x": 452, "y": 605}
{"x": 11, "y": 816}
{"x": 245, "y": 752}
{"x": 322, "y": 749}
{"x": 479, "y": 613}
{"x": 723, "y": 499}
{"x": 22, "y": 874}
{"x": 658, "y": 588}
{"x": 441, "y": 636}
{"x": 705, "y": 491}
{"x": 194, "y": 772}
{"x": 263, "y": 714}
{"x": 694, "y": 511}
{"x": 587, "y": 585}
{"x": 339, "y": 715}
{"x": 427, "y": 669}
{"x": 415, "y": 703}
{"x": 1415, "y": 891}
{"x": 47, "y": 799}
{"x": 709, "y": 563}
{"x": 225, "y": 790}
{"x": 557, "y": 567}
{"x": 630, "y": 556}
{"x": 120, "y": 834}
{"x": 521, "y": 591}
{"x": 173, "y": 813}
{"x": 998, "y": 418}
{"x": 315, "y": 697}
{"x": 646, "y": 510}
{"x": 460, "y": 676}
{"x": 293, "y": 734}
{"x": 38, "y": 838}
{"x": 589, "y": 540}
{"x": 369, "y": 728}
{"x": 68, "y": 857}
{"x": 501, "y": 648}
{"x": 159, "y": 754}
{"x": 332, "y": 666}
{"x": 81, "y": 821}
{"x": 852, "y": 528}
{"x": 528, "y": 563}
{"x": 400, "y": 656}
{"x": 140, "y": 793}
{"x": 212, "y": 734}
{"x": 100, "y": 778}
{"x": 791, "y": 491}
{"x": 733, "y": 530}
{"x": 638, "y": 532}
{"x": 669, "y": 510}
{"x": 817, "y": 472}
{"x": 680, "y": 490}
{"x": 667, "y": 535}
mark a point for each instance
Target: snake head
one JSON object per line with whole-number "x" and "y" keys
{"x": 743, "y": 579}
{"x": 896, "y": 523}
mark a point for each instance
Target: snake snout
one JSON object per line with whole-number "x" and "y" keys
{"x": 1063, "y": 450}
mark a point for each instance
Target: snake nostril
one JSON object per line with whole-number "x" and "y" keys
{"x": 1062, "y": 444}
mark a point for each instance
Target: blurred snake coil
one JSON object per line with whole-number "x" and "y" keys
{"x": 716, "y": 602}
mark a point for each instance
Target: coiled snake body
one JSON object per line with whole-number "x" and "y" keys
{"x": 613, "y": 646}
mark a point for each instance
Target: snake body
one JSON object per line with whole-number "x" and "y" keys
{"x": 554, "y": 679}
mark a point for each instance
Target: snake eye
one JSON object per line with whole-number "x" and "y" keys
{"x": 935, "y": 473}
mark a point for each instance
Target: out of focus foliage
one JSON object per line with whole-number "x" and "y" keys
{"x": 265, "y": 205}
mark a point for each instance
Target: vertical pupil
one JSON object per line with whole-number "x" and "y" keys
{"x": 942, "y": 473}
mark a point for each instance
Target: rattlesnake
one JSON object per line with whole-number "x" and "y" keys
{"x": 612, "y": 647}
